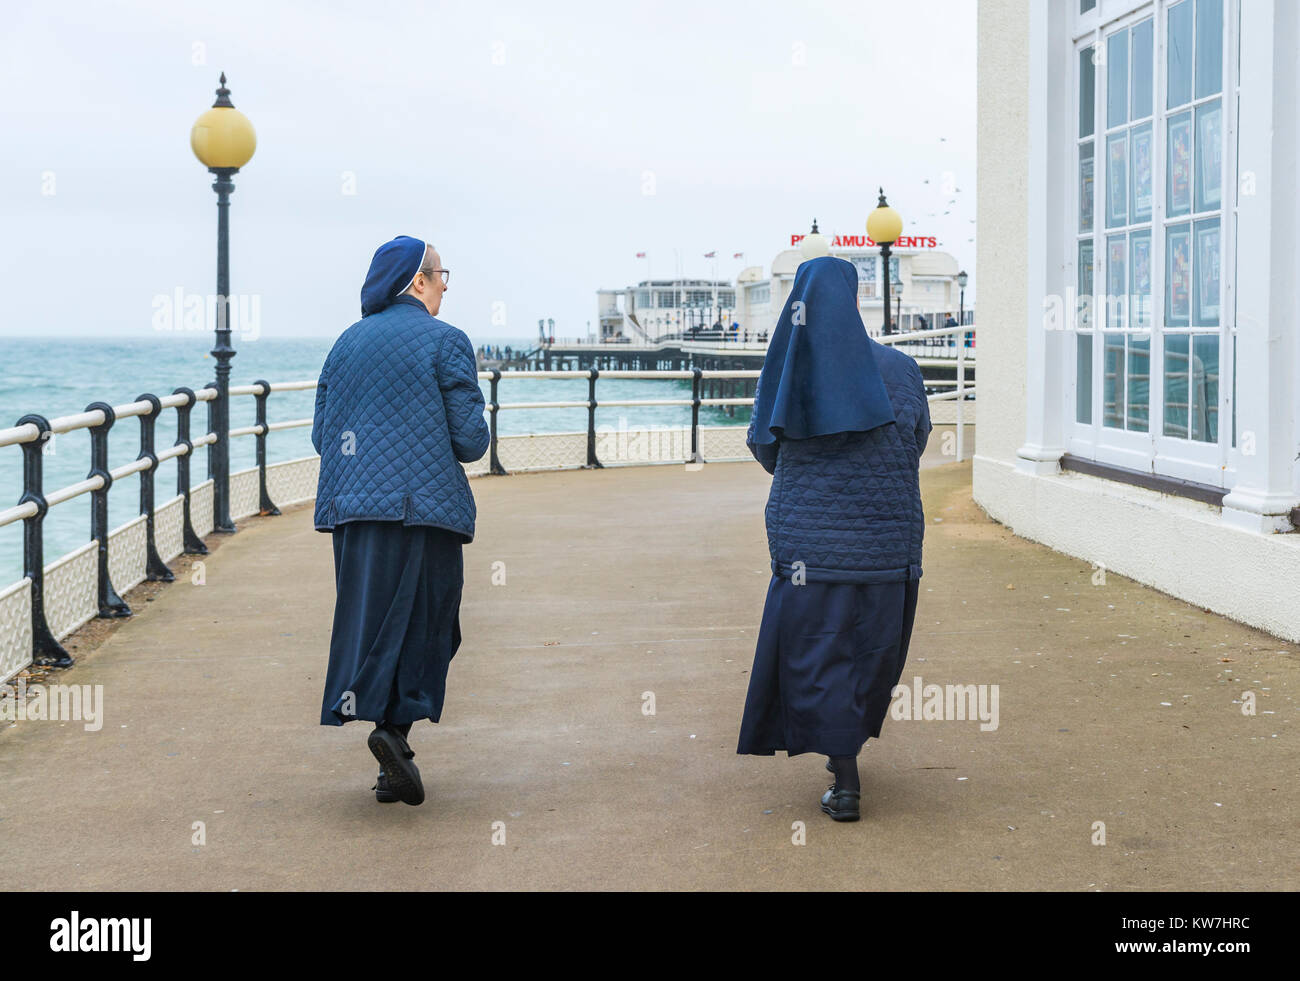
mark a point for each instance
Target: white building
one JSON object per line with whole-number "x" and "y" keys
{"x": 928, "y": 278}
{"x": 1142, "y": 154}
{"x": 656, "y": 308}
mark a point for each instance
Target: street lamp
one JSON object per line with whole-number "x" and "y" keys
{"x": 898, "y": 291}
{"x": 814, "y": 244}
{"x": 962, "y": 279}
{"x": 884, "y": 225}
{"x": 223, "y": 140}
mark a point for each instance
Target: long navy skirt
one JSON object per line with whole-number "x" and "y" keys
{"x": 396, "y": 622}
{"x": 828, "y": 656}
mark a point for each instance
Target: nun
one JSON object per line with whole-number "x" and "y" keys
{"x": 840, "y": 421}
{"x": 398, "y": 410}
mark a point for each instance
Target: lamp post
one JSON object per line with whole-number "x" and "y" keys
{"x": 223, "y": 140}
{"x": 898, "y": 292}
{"x": 814, "y": 244}
{"x": 884, "y": 225}
{"x": 962, "y": 279}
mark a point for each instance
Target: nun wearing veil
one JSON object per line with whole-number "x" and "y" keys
{"x": 840, "y": 422}
{"x": 398, "y": 410}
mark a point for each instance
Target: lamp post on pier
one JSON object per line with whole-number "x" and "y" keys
{"x": 884, "y": 225}
{"x": 223, "y": 140}
{"x": 961, "y": 284}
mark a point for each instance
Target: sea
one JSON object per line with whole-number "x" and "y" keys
{"x": 58, "y": 376}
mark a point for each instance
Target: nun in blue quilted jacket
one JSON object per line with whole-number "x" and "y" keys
{"x": 840, "y": 421}
{"x": 398, "y": 410}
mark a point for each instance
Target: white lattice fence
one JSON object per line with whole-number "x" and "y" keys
{"x": 551, "y": 451}
{"x": 168, "y": 528}
{"x": 293, "y": 481}
{"x": 243, "y": 493}
{"x": 201, "y": 508}
{"x": 15, "y": 628}
{"x": 945, "y": 413}
{"x": 126, "y": 555}
{"x": 719, "y": 443}
{"x": 71, "y": 584}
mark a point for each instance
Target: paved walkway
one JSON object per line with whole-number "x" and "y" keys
{"x": 1116, "y": 705}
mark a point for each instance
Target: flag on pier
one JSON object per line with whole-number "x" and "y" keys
{"x": 640, "y": 255}
{"x": 738, "y": 255}
{"x": 710, "y": 255}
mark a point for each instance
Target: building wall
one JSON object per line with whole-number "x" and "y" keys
{"x": 1224, "y": 559}
{"x": 1002, "y": 217}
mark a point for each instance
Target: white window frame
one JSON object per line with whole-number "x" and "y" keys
{"x": 1150, "y": 451}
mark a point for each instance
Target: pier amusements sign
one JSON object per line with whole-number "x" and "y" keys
{"x": 865, "y": 242}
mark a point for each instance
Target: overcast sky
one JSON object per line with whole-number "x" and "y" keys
{"x": 539, "y": 146}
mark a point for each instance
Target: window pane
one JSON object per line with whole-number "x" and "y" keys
{"x": 1176, "y": 353}
{"x": 1139, "y": 386}
{"x": 1117, "y": 79}
{"x": 1179, "y": 54}
{"x": 1083, "y": 379}
{"x": 1206, "y": 267}
{"x": 1139, "y": 244}
{"x": 1209, "y": 156}
{"x": 1143, "y": 54}
{"x": 1209, "y": 47}
{"x": 1087, "y": 200}
{"x": 1087, "y": 90}
{"x": 1116, "y": 180}
{"x": 1139, "y": 202}
{"x": 1086, "y": 5}
{"x": 1178, "y": 275}
{"x": 1116, "y": 291}
{"x": 1204, "y": 371}
{"x": 1113, "y": 384}
{"x": 1178, "y": 179}
{"x": 1085, "y": 299}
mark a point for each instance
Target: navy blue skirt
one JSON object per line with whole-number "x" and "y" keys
{"x": 396, "y": 622}
{"x": 827, "y": 658}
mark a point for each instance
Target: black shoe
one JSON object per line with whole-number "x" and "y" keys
{"x": 383, "y": 793}
{"x": 394, "y": 756}
{"x": 841, "y": 805}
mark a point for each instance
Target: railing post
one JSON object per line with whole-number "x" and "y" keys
{"x": 155, "y": 569}
{"x": 265, "y": 505}
{"x": 695, "y": 416}
{"x": 961, "y": 384}
{"x": 45, "y": 649}
{"x": 592, "y": 462}
{"x": 494, "y": 462}
{"x": 110, "y": 603}
{"x": 192, "y": 543}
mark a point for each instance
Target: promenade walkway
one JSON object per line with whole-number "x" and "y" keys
{"x": 1117, "y": 705}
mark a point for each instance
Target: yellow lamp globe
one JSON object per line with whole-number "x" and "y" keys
{"x": 223, "y": 138}
{"x": 884, "y": 224}
{"x": 814, "y": 244}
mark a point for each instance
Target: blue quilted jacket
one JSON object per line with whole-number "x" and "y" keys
{"x": 848, "y": 505}
{"x": 398, "y": 405}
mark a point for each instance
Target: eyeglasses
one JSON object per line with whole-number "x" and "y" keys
{"x": 446, "y": 274}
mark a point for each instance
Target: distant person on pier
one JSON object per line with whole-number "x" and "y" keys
{"x": 840, "y": 421}
{"x": 398, "y": 410}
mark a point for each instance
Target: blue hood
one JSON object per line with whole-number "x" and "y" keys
{"x": 391, "y": 272}
{"x": 820, "y": 376}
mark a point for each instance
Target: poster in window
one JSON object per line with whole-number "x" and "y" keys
{"x": 1180, "y": 166}
{"x": 1209, "y": 158}
{"x": 1140, "y": 263}
{"x": 1115, "y": 281}
{"x": 1207, "y": 274}
{"x": 1180, "y": 276}
{"x": 1086, "y": 201}
{"x": 1117, "y": 180}
{"x": 1141, "y": 203}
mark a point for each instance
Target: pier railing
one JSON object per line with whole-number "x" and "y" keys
{"x": 53, "y": 600}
